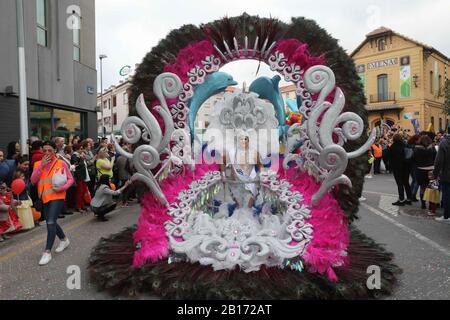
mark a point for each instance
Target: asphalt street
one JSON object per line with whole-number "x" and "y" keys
{"x": 22, "y": 278}
{"x": 420, "y": 244}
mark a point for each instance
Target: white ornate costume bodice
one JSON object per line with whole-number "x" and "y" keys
{"x": 243, "y": 163}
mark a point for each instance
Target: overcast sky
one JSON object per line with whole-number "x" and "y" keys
{"x": 127, "y": 30}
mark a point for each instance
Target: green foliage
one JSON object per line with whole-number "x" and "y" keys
{"x": 444, "y": 92}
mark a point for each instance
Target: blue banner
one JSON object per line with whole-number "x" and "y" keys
{"x": 416, "y": 125}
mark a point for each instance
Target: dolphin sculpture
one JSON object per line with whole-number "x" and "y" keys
{"x": 214, "y": 83}
{"x": 269, "y": 89}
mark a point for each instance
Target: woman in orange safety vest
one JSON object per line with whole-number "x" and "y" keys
{"x": 52, "y": 196}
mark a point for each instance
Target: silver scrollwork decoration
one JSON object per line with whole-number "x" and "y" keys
{"x": 147, "y": 157}
{"x": 326, "y": 130}
{"x": 226, "y": 242}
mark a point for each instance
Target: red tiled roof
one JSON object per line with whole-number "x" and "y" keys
{"x": 378, "y": 31}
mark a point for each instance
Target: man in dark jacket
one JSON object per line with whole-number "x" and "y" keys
{"x": 401, "y": 169}
{"x": 7, "y": 168}
{"x": 442, "y": 171}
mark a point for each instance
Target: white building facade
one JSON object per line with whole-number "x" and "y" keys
{"x": 115, "y": 108}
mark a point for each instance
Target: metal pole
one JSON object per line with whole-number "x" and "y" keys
{"x": 23, "y": 109}
{"x": 101, "y": 95}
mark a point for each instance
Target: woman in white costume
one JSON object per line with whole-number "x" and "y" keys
{"x": 242, "y": 161}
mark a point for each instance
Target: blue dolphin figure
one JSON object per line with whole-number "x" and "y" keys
{"x": 269, "y": 89}
{"x": 214, "y": 83}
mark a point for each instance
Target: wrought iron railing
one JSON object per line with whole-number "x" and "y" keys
{"x": 382, "y": 97}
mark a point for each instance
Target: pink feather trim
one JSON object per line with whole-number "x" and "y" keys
{"x": 331, "y": 235}
{"x": 297, "y": 52}
{"x": 326, "y": 250}
{"x": 151, "y": 233}
{"x": 189, "y": 58}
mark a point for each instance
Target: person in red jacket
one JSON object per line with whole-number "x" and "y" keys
{"x": 36, "y": 153}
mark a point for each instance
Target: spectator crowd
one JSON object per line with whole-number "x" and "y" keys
{"x": 58, "y": 178}
{"x": 420, "y": 164}
{"x": 100, "y": 181}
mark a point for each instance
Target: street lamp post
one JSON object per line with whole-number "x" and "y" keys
{"x": 102, "y": 56}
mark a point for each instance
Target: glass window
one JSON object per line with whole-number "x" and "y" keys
{"x": 114, "y": 101}
{"x": 41, "y": 122}
{"x": 381, "y": 45}
{"x": 440, "y": 124}
{"x": 382, "y": 88}
{"x": 76, "y": 37}
{"x": 41, "y": 37}
{"x": 432, "y": 121}
{"x": 41, "y": 9}
{"x": 76, "y": 53}
{"x": 76, "y": 44}
{"x": 66, "y": 123}
{"x": 41, "y": 16}
{"x": 431, "y": 81}
{"x": 47, "y": 122}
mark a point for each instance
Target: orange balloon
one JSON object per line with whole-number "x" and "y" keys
{"x": 36, "y": 214}
{"x": 113, "y": 186}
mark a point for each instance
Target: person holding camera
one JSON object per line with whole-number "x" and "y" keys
{"x": 103, "y": 202}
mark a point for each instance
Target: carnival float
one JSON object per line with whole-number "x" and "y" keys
{"x": 228, "y": 215}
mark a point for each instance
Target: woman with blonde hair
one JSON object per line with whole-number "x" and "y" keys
{"x": 103, "y": 165}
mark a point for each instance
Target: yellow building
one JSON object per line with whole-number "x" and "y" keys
{"x": 401, "y": 78}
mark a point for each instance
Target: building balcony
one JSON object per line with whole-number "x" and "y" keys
{"x": 389, "y": 96}
{"x": 381, "y": 108}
